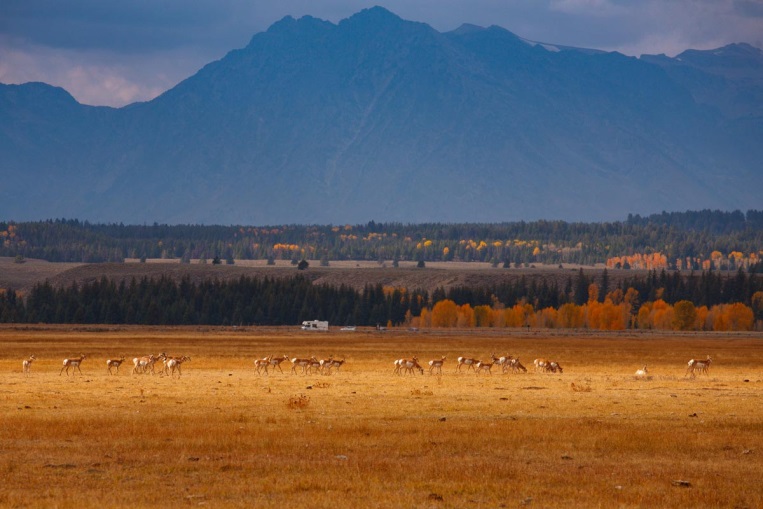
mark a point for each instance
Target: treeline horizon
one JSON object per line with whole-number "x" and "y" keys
{"x": 291, "y": 300}
{"x": 691, "y": 240}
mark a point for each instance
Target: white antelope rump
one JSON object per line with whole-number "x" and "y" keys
{"x": 484, "y": 366}
{"x": 275, "y": 362}
{"x": 302, "y": 363}
{"x": 260, "y": 364}
{"x": 175, "y": 363}
{"x": 547, "y": 366}
{"x": 466, "y": 361}
{"x": 114, "y": 363}
{"x": 436, "y": 365}
{"x": 145, "y": 364}
{"x": 27, "y": 364}
{"x": 698, "y": 365}
{"x": 642, "y": 373}
{"x": 72, "y": 363}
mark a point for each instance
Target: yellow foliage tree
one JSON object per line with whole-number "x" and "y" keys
{"x": 445, "y": 314}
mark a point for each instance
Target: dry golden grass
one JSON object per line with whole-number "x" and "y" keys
{"x": 222, "y": 436}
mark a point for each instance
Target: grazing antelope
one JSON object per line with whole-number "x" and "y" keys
{"x": 702, "y": 366}
{"x": 469, "y": 362}
{"x": 27, "y": 364}
{"x": 517, "y": 366}
{"x": 546, "y": 366}
{"x": 504, "y": 361}
{"x": 275, "y": 362}
{"x": 302, "y": 363}
{"x": 642, "y": 373}
{"x": 263, "y": 363}
{"x": 436, "y": 364}
{"x": 114, "y": 363}
{"x": 410, "y": 364}
{"x": 484, "y": 366}
{"x": 72, "y": 363}
{"x": 175, "y": 363}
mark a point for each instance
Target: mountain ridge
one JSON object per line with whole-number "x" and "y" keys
{"x": 376, "y": 117}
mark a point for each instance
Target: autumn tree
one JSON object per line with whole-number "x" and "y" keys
{"x": 684, "y": 315}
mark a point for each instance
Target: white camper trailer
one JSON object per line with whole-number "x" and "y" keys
{"x": 315, "y": 325}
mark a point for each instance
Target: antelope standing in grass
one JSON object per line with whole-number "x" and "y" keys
{"x": 484, "y": 366}
{"x": 517, "y": 366}
{"x": 302, "y": 363}
{"x": 642, "y": 373}
{"x": 72, "y": 363}
{"x": 466, "y": 361}
{"x": 114, "y": 363}
{"x": 547, "y": 366}
{"x": 175, "y": 363}
{"x": 504, "y": 361}
{"x": 410, "y": 364}
{"x": 334, "y": 364}
{"x": 260, "y": 364}
{"x": 275, "y": 362}
{"x": 436, "y": 365}
{"x": 27, "y": 364}
{"x": 698, "y": 365}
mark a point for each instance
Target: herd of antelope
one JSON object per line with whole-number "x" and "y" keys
{"x": 506, "y": 363}
{"x": 146, "y": 365}
{"x": 142, "y": 365}
{"x": 306, "y": 366}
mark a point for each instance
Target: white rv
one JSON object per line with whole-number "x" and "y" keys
{"x": 315, "y": 325}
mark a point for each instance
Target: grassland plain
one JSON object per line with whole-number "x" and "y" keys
{"x": 222, "y": 436}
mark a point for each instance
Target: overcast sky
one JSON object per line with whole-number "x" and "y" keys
{"x": 115, "y": 53}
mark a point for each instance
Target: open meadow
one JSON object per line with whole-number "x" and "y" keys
{"x": 222, "y": 435}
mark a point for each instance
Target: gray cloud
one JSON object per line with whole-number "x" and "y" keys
{"x": 118, "y": 52}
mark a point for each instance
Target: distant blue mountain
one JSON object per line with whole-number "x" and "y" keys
{"x": 386, "y": 119}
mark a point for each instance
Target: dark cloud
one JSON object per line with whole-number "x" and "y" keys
{"x": 137, "y": 48}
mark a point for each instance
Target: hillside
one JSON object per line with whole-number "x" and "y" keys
{"x": 381, "y": 118}
{"x": 22, "y": 277}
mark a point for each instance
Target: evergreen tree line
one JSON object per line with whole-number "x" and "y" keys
{"x": 691, "y": 234}
{"x": 289, "y": 301}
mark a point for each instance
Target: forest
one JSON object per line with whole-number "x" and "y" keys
{"x": 706, "y": 301}
{"x": 692, "y": 240}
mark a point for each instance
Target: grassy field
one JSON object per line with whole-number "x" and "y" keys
{"x": 222, "y": 436}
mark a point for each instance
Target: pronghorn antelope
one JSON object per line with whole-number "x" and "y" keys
{"x": 469, "y": 362}
{"x": 72, "y": 363}
{"x": 275, "y": 362}
{"x": 114, "y": 363}
{"x": 436, "y": 364}
{"x": 146, "y": 363}
{"x": 410, "y": 364}
{"x": 546, "y": 366}
{"x": 504, "y": 361}
{"x": 175, "y": 363}
{"x": 517, "y": 366}
{"x": 27, "y": 364}
{"x": 334, "y": 364}
{"x": 642, "y": 373}
{"x": 263, "y": 363}
{"x": 302, "y": 363}
{"x": 484, "y": 366}
{"x": 702, "y": 366}
{"x": 317, "y": 365}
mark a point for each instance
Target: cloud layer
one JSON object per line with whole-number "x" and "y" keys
{"x": 115, "y": 53}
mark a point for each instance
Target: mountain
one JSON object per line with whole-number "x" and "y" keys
{"x": 381, "y": 118}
